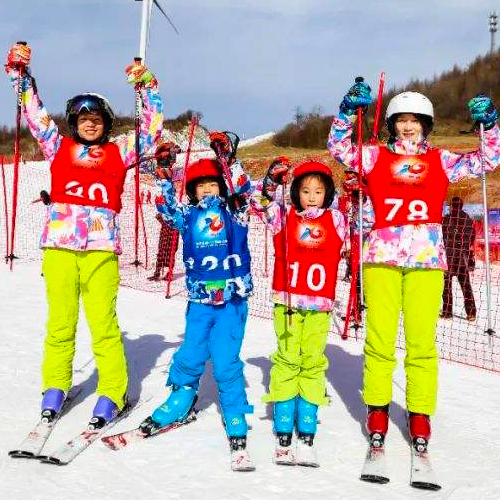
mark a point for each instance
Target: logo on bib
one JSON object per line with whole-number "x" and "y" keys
{"x": 310, "y": 235}
{"x": 410, "y": 170}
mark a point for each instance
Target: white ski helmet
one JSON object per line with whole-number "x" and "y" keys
{"x": 410, "y": 102}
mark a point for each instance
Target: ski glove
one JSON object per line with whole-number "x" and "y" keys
{"x": 138, "y": 74}
{"x": 219, "y": 141}
{"x": 18, "y": 55}
{"x": 357, "y": 96}
{"x": 351, "y": 182}
{"x": 482, "y": 110}
{"x": 164, "y": 173}
{"x": 166, "y": 154}
{"x": 279, "y": 170}
{"x": 236, "y": 201}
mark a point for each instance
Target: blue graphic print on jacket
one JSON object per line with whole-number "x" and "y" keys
{"x": 215, "y": 246}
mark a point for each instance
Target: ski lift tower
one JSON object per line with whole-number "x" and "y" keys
{"x": 493, "y": 29}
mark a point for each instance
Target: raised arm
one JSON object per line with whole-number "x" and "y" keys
{"x": 151, "y": 117}
{"x": 40, "y": 124}
{"x": 339, "y": 142}
{"x": 458, "y": 166}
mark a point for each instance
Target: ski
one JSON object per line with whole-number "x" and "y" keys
{"x": 240, "y": 459}
{"x": 145, "y": 430}
{"x": 375, "y": 466}
{"x": 422, "y": 475}
{"x": 33, "y": 443}
{"x": 306, "y": 453}
{"x": 284, "y": 453}
{"x": 66, "y": 453}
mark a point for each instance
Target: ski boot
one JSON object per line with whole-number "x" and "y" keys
{"x": 52, "y": 402}
{"x": 236, "y": 429}
{"x": 105, "y": 410}
{"x": 419, "y": 428}
{"x": 236, "y": 425}
{"x": 307, "y": 423}
{"x": 377, "y": 423}
{"x": 284, "y": 421}
{"x": 177, "y": 406}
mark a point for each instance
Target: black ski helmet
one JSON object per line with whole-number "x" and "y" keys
{"x": 91, "y": 103}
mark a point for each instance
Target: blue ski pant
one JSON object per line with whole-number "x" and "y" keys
{"x": 216, "y": 332}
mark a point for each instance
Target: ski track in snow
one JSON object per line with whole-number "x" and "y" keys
{"x": 193, "y": 462}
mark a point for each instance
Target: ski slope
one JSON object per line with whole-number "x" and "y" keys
{"x": 193, "y": 462}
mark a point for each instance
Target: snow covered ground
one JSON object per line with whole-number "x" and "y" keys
{"x": 193, "y": 462}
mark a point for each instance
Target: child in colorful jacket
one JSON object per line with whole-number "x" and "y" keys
{"x": 81, "y": 233}
{"x": 404, "y": 254}
{"x": 214, "y": 228}
{"x": 308, "y": 237}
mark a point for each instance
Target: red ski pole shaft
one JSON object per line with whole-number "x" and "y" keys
{"x": 285, "y": 255}
{"x": 225, "y": 169}
{"x": 175, "y": 238}
{"x": 19, "y": 103}
{"x": 6, "y": 213}
{"x": 378, "y": 109}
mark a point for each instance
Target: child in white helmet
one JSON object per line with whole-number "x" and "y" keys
{"x": 81, "y": 234}
{"x": 404, "y": 255}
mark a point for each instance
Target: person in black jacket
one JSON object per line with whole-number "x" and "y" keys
{"x": 459, "y": 236}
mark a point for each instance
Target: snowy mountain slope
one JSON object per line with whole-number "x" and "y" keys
{"x": 193, "y": 462}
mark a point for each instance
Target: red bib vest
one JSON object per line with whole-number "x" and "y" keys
{"x": 407, "y": 189}
{"x": 313, "y": 256}
{"x": 88, "y": 175}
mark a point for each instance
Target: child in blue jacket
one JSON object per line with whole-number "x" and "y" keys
{"x": 214, "y": 229}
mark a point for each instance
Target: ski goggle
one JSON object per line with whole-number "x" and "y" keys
{"x": 84, "y": 103}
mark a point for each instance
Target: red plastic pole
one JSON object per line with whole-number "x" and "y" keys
{"x": 145, "y": 237}
{"x": 175, "y": 236}
{"x": 19, "y": 103}
{"x": 6, "y": 213}
{"x": 376, "y": 120}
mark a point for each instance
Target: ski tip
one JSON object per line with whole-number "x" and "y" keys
{"x": 21, "y": 454}
{"x": 373, "y": 478}
{"x": 110, "y": 443}
{"x": 308, "y": 464}
{"x": 424, "y": 485}
{"x": 249, "y": 468}
{"x": 51, "y": 460}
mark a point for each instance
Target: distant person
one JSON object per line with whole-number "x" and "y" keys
{"x": 166, "y": 239}
{"x": 458, "y": 236}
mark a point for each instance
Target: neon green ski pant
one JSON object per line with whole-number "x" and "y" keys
{"x": 417, "y": 292}
{"x": 94, "y": 275}
{"x": 300, "y": 363}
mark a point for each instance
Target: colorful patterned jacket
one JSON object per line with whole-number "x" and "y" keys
{"x": 215, "y": 246}
{"x": 78, "y": 227}
{"x": 410, "y": 246}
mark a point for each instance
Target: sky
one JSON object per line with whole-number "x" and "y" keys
{"x": 245, "y": 64}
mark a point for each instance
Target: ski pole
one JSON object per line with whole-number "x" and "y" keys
{"x": 489, "y": 329}
{"x": 175, "y": 237}
{"x": 360, "y": 201}
{"x": 378, "y": 109}
{"x": 288, "y": 305}
{"x": 137, "y": 123}
{"x": 19, "y": 102}
{"x": 225, "y": 167}
{"x": 6, "y": 213}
